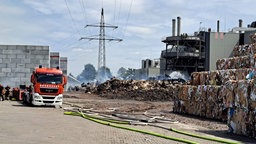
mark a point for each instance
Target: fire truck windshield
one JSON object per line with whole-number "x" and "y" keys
{"x": 49, "y": 78}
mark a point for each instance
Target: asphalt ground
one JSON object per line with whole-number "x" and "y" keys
{"x": 21, "y": 124}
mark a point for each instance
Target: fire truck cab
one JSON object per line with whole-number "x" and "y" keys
{"x": 47, "y": 87}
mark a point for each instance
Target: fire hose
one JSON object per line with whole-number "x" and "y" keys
{"x": 114, "y": 123}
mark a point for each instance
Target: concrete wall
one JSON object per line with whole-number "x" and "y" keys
{"x": 153, "y": 72}
{"x": 17, "y": 62}
{"x": 221, "y": 46}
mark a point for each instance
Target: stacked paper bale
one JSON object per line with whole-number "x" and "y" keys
{"x": 201, "y": 100}
{"x": 225, "y": 94}
{"x": 235, "y": 62}
{"x": 218, "y": 77}
{"x": 244, "y": 50}
{"x": 241, "y": 114}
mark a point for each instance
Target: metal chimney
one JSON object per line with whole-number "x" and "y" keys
{"x": 240, "y": 22}
{"x": 173, "y": 27}
{"x": 218, "y": 26}
{"x": 178, "y": 26}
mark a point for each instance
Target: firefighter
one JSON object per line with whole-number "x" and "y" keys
{"x": 1, "y": 92}
{"x": 7, "y": 92}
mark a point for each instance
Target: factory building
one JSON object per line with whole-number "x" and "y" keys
{"x": 200, "y": 51}
{"x": 149, "y": 68}
{"x": 17, "y": 62}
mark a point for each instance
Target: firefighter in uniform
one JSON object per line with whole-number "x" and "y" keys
{"x": 7, "y": 92}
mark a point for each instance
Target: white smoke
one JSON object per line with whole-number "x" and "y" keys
{"x": 180, "y": 74}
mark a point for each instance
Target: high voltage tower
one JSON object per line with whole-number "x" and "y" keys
{"x": 101, "y": 39}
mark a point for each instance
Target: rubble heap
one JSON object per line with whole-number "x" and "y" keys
{"x": 137, "y": 90}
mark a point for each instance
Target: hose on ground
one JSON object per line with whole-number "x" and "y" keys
{"x": 105, "y": 122}
{"x": 128, "y": 128}
{"x": 204, "y": 137}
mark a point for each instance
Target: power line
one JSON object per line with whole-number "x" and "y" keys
{"x": 73, "y": 21}
{"x": 128, "y": 17}
{"x": 101, "y": 39}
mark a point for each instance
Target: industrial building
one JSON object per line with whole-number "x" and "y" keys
{"x": 17, "y": 62}
{"x": 200, "y": 51}
{"x": 149, "y": 68}
{"x": 197, "y": 52}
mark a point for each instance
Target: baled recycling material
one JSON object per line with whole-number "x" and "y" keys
{"x": 225, "y": 94}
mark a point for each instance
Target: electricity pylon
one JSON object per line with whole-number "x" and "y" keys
{"x": 101, "y": 39}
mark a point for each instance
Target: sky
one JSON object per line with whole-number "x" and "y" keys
{"x": 142, "y": 24}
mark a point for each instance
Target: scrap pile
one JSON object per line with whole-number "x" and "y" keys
{"x": 224, "y": 94}
{"x": 137, "y": 90}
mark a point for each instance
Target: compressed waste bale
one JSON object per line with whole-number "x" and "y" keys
{"x": 209, "y": 110}
{"x": 227, "y": 93}
{"x": 181, "y": 106}
{"x": 191, "y": 92}
{"x": 252, "y": 98}
{"x": 236, "y": 50}
{"x": 241, "y": 74}
{"x": 242, "y": 94}
{"x": 214, "y": 78}
{"x": 242, "y": 50}
{"x": 253, "y": 48}
{"x": 238, "y": 121}
{"x": 226, "y": 75}
{"x": 203, "y": 77}
{"x": 212, "y": 102}
{"x": 244, "y": 62}
{"x": 195, "y": 78}
{"x": 253, "y": 38}
{"x": 183, "y": 92}
{"x": 212, "y": 93}
{"x": 231, "y": 63}
{"x": 221, "y": 64}
{"x": 254, "y": 60}
{"x": 234, "y": 63}
{"x": 198, "y": 95}
{"x": 251, "y": 125}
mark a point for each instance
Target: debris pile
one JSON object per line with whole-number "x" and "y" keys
{"x": 137, "y": 90}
